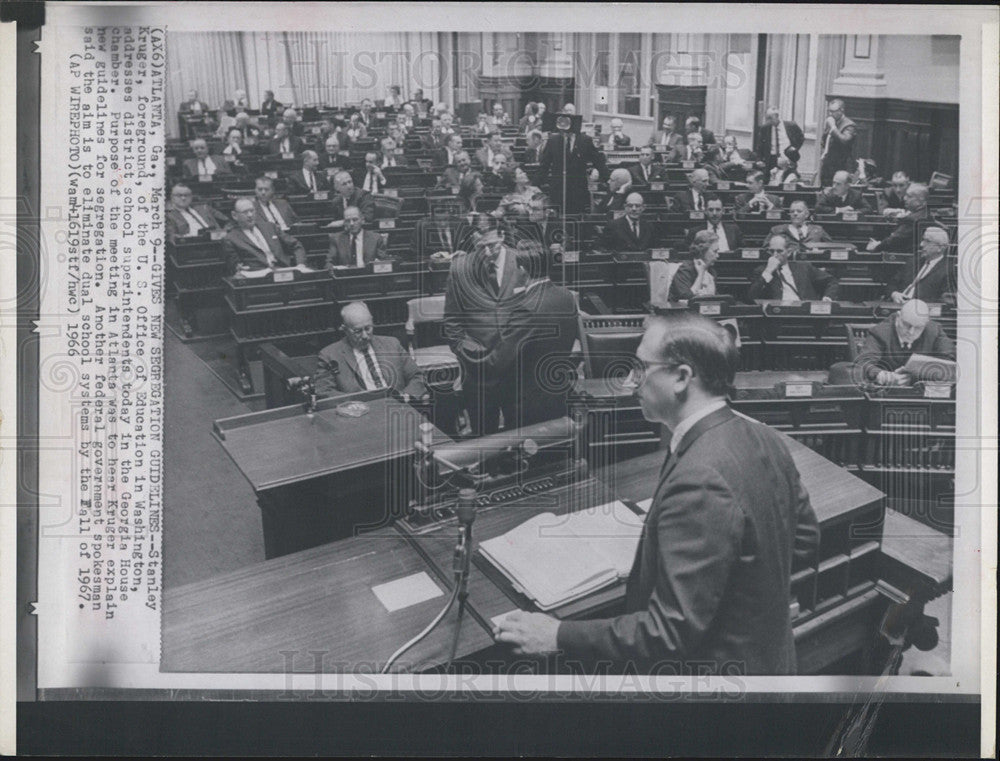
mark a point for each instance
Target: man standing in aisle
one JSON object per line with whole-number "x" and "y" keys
{"x": 564, "y": 162}
{"x": 839, "y": 133}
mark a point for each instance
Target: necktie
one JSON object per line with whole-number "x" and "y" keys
{"x": 261, "y": 243}
{"x": 197, "y": 218}
{"x": 202, "y": 167}
{"x": 373, "y": 368}
{"x": 312, "y": 181}
{"x": 268, "y": 213}
{"x": 635, "y": 229}
{"x": 276, "y": 216}
{"x": 777, "y": 147}
{"x": 571, "y": 141}
{"x": 359, "y": 253}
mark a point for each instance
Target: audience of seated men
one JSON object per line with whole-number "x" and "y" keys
{"x": 728, "y": 235}
{"x": 363, "y": 361}
{"x": 346, "y": 195}
{"x": 841, "y": 197}
{"x": 256, "y": 245}
{"x": 928, "y": 277}
{"x": 185, "y": 220}
{"x": 782, "y": 279}
{"x": 308, "y": 179}
{"x": 354, "y": 246}
{"x": 889, "y": 346}
{"x": 910, "y": 226}
{"x": 204, "y": 165}
{"x": 696, "y": 277}
{"x": 756, "y": 200}
{"x": 798, "y": 230}
{"x": 631, "y": 232}
{"x": 267, "y": 207}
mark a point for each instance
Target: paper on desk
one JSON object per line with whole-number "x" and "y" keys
{"x": 407, "y": 591}
{"x": 254, "y": 273}
{"x": 645, "y": 504}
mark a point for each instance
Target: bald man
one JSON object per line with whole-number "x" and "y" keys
{"x": 889, "y": 346}
{"x": 928, "y": 279}
{"x": 363, "y": 361}
{"x": 619, "y": 186}
{"x": 308, "y": 179}
{"x": 909, "y": 229}
{"x": 203, "y": 164}
{"x": 631, "y": 232}
{"x": 255, "y": 244}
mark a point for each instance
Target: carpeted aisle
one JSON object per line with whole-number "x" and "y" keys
{"x": 211, "y": 519}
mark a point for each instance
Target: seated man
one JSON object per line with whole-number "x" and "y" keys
{"x": 308, "y": 179}
{"x": 446, "y": 156}
{"x": 910, "y": 226}
{"x": 693, "y": 199}
{"x": 347, "y": 195}
{"x": 692, "y": 126}
{"x": 354, "y": 246}
{"x": 756, "y": 200}
{"x": 841, "y": 197}
{"x": 185, "y": 220}
{"x": 277, "y": 211}
{"x": 646, "y": 171}
{"x": 668, "y": 140}
{"x": 493, "y": 147}
{"x": 284, "y": 142}
{"x": 203, "y": 165}
{"x": 534, "y": 150}
{"x": 784, "y": 280}
{"x": 889, "y": 346}
{"x": 252, "y": 245}
{"x": 631, "y": 232}
{"x": 372, "y": 179}
{"x": 799, "y": 232}
{"x": 693, "y": 149}
{"x": 387, "y": 156}
{"x": 330, "y": 158}
{"x": 696, "y": 277}
{"x": 363, "y": 361}
{"x": 618, "y": 139}
{"x": 452, "y": 176}
{"x": 929, "y": 282}
{"x": 729, "y": 236}
{"x": 894, "y": 203}
{"x": 441, "y": 231}
{"x": 619, "y": 186}
{"x": 292, "y": 121}
{"x": 499, "y": 178}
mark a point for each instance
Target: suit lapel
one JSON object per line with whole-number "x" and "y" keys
{"x": 252, "y": 247}
{"x": 348, "y": 356}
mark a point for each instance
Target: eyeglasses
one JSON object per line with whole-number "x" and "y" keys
{"x": 360, "y": 331}
{"x": 777, "y": 250}
{"x": 641, "y": 371}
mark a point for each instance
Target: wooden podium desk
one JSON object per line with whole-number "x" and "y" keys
{"x": 325, "y": 477}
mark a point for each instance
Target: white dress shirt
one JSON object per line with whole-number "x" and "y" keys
{"x": 310, "y": 178}
{"x": 500, "y": 261}
{"x": 370, "y": 383}
{"x": 783, "y": 141}
{"x": 206, "y": 166}
{"x": 688, "y": 423}
{"x": 720, "y": 232}
{"x": 193, "y": 219}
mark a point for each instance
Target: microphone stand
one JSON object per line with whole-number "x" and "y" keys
{"x": 564, "y": 169}
{"x": 462, "y": 560}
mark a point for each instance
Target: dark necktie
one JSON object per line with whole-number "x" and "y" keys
{"x": 635, "y": 229}
{"x": 372, "y": 369}
{"x": 354, "y": 252}
{"x": 776, "y": 145}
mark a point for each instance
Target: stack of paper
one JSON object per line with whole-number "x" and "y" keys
{"x": 556, "y": 559}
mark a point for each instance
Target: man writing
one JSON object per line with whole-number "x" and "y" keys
{"x": 784, "y": 280}
{"x": 709, "y": 588}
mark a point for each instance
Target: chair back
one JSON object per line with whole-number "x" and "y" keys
{"x": 609, "y": 343}
{"x": 857, "y": 332}
{"x": 660, "y": 275}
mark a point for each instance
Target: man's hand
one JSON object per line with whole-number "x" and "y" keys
{"x": 872, "y": 244}
{"x": 897, "y": 297}
{"x": 699, "y": 264}
{"x": 831, "y": 123}
{"x": 529, "y": 633}
{"x": 827, "y": 298}
{"x": 774, "y": 264}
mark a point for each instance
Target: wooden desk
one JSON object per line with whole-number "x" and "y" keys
{"x": 270, "y": 617}
{"x": 326, "y": 477}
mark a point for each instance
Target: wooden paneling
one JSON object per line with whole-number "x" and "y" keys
{"x": 682, "y": 101}
{"x": 916, "y": 137}
{"x": 516, "y": 92}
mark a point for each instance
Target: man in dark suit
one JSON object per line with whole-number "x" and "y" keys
{"x": 252, "y": 246}
{"x": 756, "y": 200}
{"x": 441, "y": 231}
{"x": 493, "y": 147}
{"x": 477, "y": 299}
{"x": 445, "y": 156}
{"x": 775, "y": 136}
{"x": 692, "y": 126}
{"x": 928, "y": 279}
{"x": 354, "y": 246}
{"x": 204, "y": 165}
{"x": 347, "y": 195}
{"x": 330, "y": 159}
{"x": 308, "y": 179}
{"x": 631, "y": 232}
{"x": 893, "y": 203}
{"x": 909, "y": 227}
{"x": 193, "y": 104}
{"x": 533, "y": 352}
{"x": 271, "y": 209}
{"x": 541, "y": 227}
{"x": 363, "y": 361}
{"x": 889, "y": 346}
{"x": 729, "y": 235}
{"x": 646, "y": 171}
{"x": 563, "y": 164}
{"x": 185, "y": 220}
{"x": 839, "y": 134}
{"x": 284, "y": 142}
{"x": 841, "y": 197}
{"x": 693, "y": 199}
{"x": 798, "y": 230}
{"x": 290, "y": 118}
{"x": 709, "y": 590}
{"x": 619, "y": 187}
{"x": 784, "y": 280}
{"x": 534, "y": 150}
{"x": 617, "y": 139}
{"x": 667, "y": 139}
{"x": 270, "y": 107}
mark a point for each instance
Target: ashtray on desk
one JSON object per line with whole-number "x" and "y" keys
{"x": 352, "y": 409}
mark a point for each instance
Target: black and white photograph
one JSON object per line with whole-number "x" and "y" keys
{"x": 431, "y": 351}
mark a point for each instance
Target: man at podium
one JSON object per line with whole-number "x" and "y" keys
{"x": 709, "y": 588}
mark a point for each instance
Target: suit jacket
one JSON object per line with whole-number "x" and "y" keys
{"x": 578, "y": 161}
{"x": 611, "y": 202}
{"x": 618, "y": 235}
{"x": 710, "y": 585}
{"x": 618, "y": 141}
{"x": 364, "y": 200}
{"x": 395, "y": 365}
{"x": 440, "y": 157}
{"x": 533, "y": 353}
{"x": 284, "y": 209}
{"x": 814, "y": 234}
{"x": 372, "y": 247}
{"x": 270, "y": 108}
{"x": 841, "y": 152}
{"x": 684, "y": 278}
{"x": 765, "y": 140}
{"x": 297, "y": 185}
{"x": 685, "y": 199}
{"x": 811, "y": 282}
{"x": 893, "y": 201}
{"x": 734, "y": 236}
{"x": 742, "y": 202}
{"x": 177, "y": 226}
{"x": 190, "y": 167}
{"x": 656, "y": 173}
{"x": 905, "y": 239}
{"x": 931, "y": 287}
{"x": 294, "y": 142}
{"x": 827, "y": 202}
{"x": 239, "y": 249}
{"x": 335, "y": 161}
{"x": 188, "y": 106}
{"x": 883, "y": 351}
{"x": 660, "y": 138}
{"x": 481, "y": 158}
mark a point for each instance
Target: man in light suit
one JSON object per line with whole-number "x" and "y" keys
{"x": 775, "y": 137}
{"x": 204, "y": 165}
{"x": 928, "y": 279}
{"x": 709, "y": 589}
{"x": 267, "y": 207}
{"x": 798, "y": 231}
{"x": 363, "y": 361}
{"x": 184, "y": 220}
{"x": 631, "y": 232}
{"x": 354, "y": 246}
{"x": 781, "y": 279}
{"x": 253, "y": 245}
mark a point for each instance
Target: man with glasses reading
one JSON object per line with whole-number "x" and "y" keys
{"x": 784, "y": 280}
{"x": 709, "y": 590}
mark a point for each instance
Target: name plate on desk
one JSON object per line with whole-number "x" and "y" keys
{"x": 850, "y": 216}
{"x": 321, "y": 195}
{"x": 937, "y": 390}
{"x": 204, "y": 178}
{"x": 386, "y": 224}
{"x": 723, "y": 185}
{"x": 710, "y": 309}
{"x": 220, "y": 234}
{"x": 390, "y": 192}
{"x": 656, "y": 186}
{"x": 750, "y": 253}
{"x": 571, "y": 257}
{"x": 803, "y": 389}
{"x": 687, "y": 165}
{"x": 398, "y": 151}
{"x": 934, "y": 310}
{"x": 820, "y": 307}
{"x": 380, "y": 268}
{"x": 380, "y": 114}
{"x": 790, "y": 186}
{"x": 773, "y": 214}
{"x": 662, "y": 254}
{"x": 284, "y": 276}
{"x": 839, "y": 256}
{"x": 288, "y": 155}
{"x": 271, "y": 174}
{"x": 696, "y": 215}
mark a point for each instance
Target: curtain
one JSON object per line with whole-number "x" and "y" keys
{"x": 209, "y": 62}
